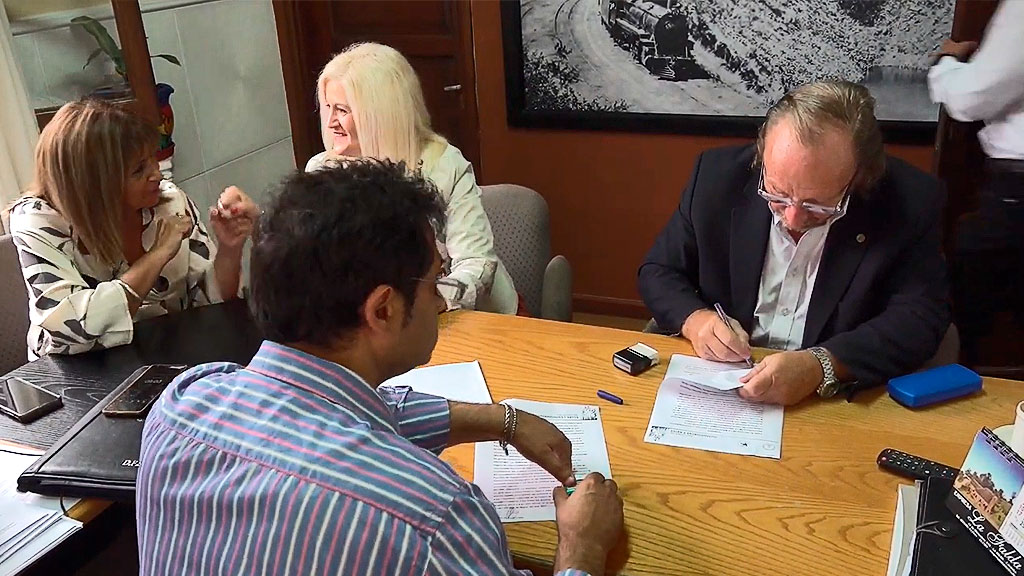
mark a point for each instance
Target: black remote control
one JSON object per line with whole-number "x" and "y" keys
{"x": 914, "y": 467}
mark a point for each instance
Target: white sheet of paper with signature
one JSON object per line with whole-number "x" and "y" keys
{"x": 521, "y": 490}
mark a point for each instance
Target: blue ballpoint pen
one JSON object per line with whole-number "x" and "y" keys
{"x": 725, "y": 319}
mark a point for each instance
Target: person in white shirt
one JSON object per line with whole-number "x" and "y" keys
{"x": 986, "y": 83}
{"x": 104, "y": 241}
{"x": 813, "y": 242}
{"x": 371, "y": 105}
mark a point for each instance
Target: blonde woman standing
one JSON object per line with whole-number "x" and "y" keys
{"x": 103, "y": 241}
{"x": 371, "y": 105}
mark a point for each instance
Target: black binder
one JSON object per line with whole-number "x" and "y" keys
{"x": 97, "y": 458}
{"x": 936, "y": 555}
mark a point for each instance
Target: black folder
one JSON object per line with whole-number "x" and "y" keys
{"x": 958, "y": 555}
{"x": 97, "y": 458}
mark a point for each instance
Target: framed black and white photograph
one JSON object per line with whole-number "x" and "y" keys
{"x": 714, "y": 66}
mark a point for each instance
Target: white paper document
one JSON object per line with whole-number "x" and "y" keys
{"x": 463, "y": 382}
{"x": 693, "y": 416}
{"x": 17, "y": 523}
{"x": 717, "y": 375}
{"x": 904, "y": 529}
{"x": 30, "y": 525}
{"x": 521, "y": 490}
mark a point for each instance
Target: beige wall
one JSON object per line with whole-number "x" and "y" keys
{"x": 19, "y": 9}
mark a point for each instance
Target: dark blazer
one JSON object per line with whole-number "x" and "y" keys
{"x": 880, "y": 300}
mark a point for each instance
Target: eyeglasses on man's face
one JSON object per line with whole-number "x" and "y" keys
{"x": 814, "y": 208}
{"x": 450, "y": 289}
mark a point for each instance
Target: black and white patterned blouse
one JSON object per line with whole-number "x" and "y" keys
{"x": 75, "y": 302}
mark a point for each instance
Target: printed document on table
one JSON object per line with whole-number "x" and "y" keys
{"x": 462, "y": 382}
{"x": 717, "y": 375}
{"x": 693, "y": 416}
{"x": 520, "y": 490}
{"x": 30, "y": 525}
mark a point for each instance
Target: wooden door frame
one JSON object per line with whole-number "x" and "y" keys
{"x": 301, "y": 66}
{"x": 467, "y": 64}
{"x": 298, "y": 68}
{"x": 135, "y": 51}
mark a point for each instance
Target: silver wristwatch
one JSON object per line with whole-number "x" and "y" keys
{"x": 829, "y": 383}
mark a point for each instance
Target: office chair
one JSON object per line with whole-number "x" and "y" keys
{"x": 13, "y": 308}
{"x": 522, "y": 240}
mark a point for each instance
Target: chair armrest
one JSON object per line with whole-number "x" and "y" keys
{"x": 556, "y": 293}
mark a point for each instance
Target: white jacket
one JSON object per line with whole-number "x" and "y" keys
{"x": 467, "y": 243}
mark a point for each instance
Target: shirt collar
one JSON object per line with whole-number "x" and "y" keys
{"x": 332, "y": 382}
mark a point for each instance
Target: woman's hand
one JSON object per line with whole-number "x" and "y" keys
{"x": 169, "y": 234}
{"x": 234, "y": 218}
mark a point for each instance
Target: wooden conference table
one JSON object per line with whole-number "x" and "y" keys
{"x": 824, "y": 508}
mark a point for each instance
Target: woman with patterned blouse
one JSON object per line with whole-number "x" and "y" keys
{"x": 103, "y": 241}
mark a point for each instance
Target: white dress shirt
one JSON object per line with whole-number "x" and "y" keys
{"x": 990, "y": 86}
{"x": 787, "y": 280}
{"x": 467, "y": 242}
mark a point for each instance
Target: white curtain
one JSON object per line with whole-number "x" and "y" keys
{"x": 18, "y": 128}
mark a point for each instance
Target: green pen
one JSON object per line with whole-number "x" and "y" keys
{"x": 572, "y": 489}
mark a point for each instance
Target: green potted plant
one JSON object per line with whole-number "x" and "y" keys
{"x": 107, "y": 45}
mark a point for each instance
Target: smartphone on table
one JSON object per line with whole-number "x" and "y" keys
{"x": 147, "y": 383}
{"x": 25, "y": 401}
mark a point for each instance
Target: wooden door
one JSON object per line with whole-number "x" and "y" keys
{"x": 435, "y": 36}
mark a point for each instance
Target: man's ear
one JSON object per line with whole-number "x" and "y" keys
{"x": 383, "y": 309}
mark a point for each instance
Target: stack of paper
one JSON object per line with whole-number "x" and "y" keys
{"x": 30, "y": 525}
{"x": 463, "y": 382}
{"x": 697, "y": 407}
{"x": 904, "y": 529}
{"x": 520, "y": 490}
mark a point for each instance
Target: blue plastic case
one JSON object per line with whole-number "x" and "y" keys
{"x": 935, "y": 385}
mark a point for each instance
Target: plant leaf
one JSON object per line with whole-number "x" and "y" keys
{"x": 94, "y": 54}
{"x": 100, "y": 34}
{"x": 169, "y": 58}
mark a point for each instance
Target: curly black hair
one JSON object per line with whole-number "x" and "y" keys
{"x": 330, "y": 237}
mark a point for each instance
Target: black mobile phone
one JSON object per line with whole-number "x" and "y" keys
{"x": 147, "y": 383}
{"x": 25, "y": 401}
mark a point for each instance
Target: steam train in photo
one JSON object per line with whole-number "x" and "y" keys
{"x": 657, "y": 37}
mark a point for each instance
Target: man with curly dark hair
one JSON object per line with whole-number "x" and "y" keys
{"x": 298, "y": 463}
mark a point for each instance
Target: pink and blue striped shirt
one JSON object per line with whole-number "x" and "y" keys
{"x": 296, "y": 465}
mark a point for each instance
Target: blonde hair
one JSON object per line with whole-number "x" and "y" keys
{"x": 386, "y": 102}
{"x": 82, "y": 159}
{"x": 838, "y": 103}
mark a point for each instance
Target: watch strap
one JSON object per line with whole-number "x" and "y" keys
{"x": 828, "y": 386}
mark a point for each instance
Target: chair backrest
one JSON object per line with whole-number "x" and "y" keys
{"x": 522, "y": 237}
{"x": 13, "y": 308}
{"x": 948, "y": 351}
